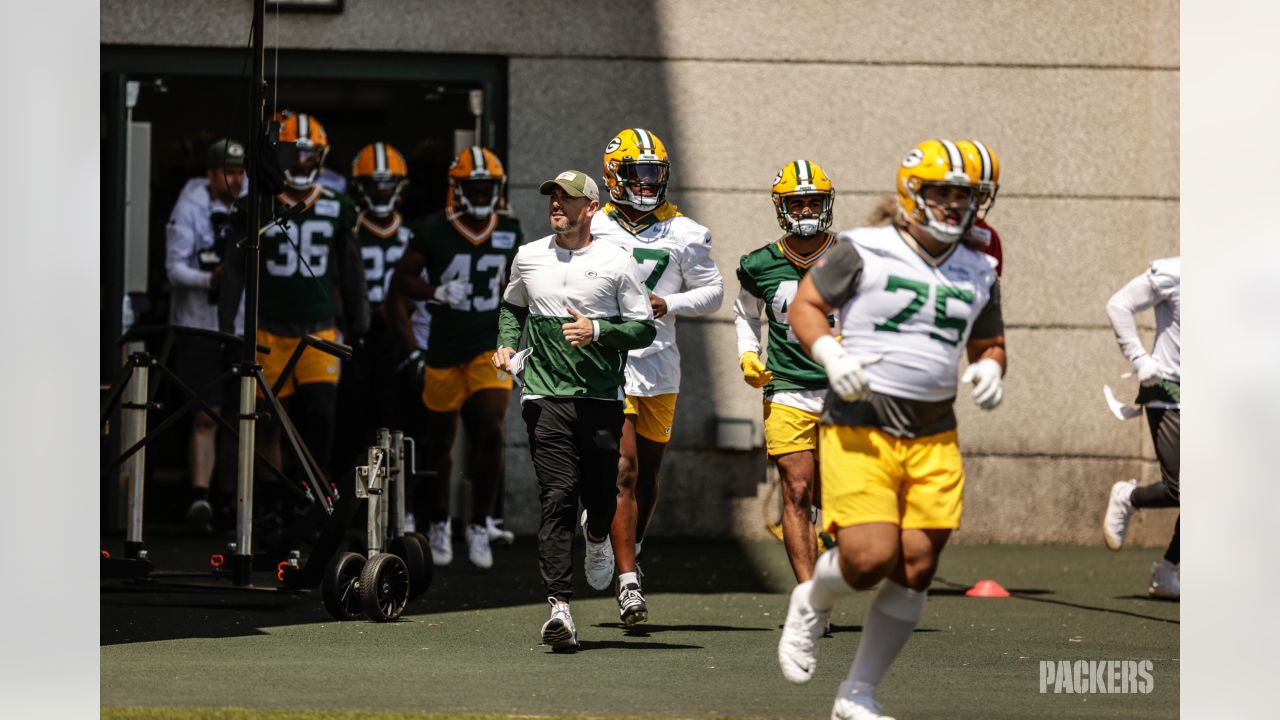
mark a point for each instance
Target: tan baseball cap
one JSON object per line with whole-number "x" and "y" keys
{"x": 576, "y": 184}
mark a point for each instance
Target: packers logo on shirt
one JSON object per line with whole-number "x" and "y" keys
{"x": 592, "y": 273}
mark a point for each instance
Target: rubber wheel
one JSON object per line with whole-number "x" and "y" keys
{"x": 384, "y": 587}
{"x": 428, "y": 565}
{"x": 410, "y": 551}
{"x": 340, "y": 586}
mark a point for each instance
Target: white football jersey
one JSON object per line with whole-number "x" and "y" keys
{"x": 674, "y": 255}
{"x": 915, "y": 312}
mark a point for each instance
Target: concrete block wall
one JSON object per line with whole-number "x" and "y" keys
{"x": 1079, "y": 99}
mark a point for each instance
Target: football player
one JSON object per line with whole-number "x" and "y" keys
{"x": 1160, "y": 375}
{"x": 912, "y": 298}
{"x": 367, "y": 394}
{"x": 674, "y": 254}
{"x": 988, "y": 185}
{"x": 311, "y": 268}
{"x": 312, "y": 282}
{"x": 466, "y": 251}
{"x": 794, "y": 385}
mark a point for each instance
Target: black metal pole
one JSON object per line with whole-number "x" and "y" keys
{"x": 242, "y": 559}
{"x": 253, "y": 245}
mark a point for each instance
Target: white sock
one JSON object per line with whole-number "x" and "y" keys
{"x": 629, "y": 578}
{"x": 892, "y": 616}
{"x": 828, "y": 581}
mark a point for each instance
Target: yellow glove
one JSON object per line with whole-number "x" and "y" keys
{"x": 753, "y": 370}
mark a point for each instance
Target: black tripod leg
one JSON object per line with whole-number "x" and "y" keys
{"x": 117, "y": 389}
{"x": 315, "y": 475}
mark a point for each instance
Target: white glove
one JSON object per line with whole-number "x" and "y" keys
{"x": 452, "y": 293}
{"x": 1149, "y": 371}
{"x": 988, "y": 388}
{"x": 844, "y": 369}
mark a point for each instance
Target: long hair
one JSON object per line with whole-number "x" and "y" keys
{"x": 888, "y": 212}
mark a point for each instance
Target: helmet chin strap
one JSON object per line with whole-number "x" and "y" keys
{"x": 293, "y": 182}
{"x": 941, "y": 236}
{"x": 807, "y": 227}
{"x": 640, "y": 202}
{"x": 479, "y": 212}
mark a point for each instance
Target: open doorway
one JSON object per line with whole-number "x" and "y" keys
{"x": 162, "y": 107}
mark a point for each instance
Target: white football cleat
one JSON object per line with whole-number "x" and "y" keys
{"x": 478, "y": 551}
{"x": 497, "y": 533}
{"x": 559, "y": 631}
{"x": 1119, "y": 512}
{"x": 1164, "y": 581}
{"x": 798, "y": 646}
{"x": 857, "y": 701}
{"x": 440, "y": 537}
{"x": 599, "y": 559}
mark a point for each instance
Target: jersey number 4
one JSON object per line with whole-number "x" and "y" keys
{"x": 492, "y": 265}
{"x": 941, "y": 320}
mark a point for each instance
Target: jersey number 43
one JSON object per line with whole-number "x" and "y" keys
{"x": 484, "y": 279}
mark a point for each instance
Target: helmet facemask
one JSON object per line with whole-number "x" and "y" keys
{"x": 986, "y": 197}
{"x": 478, "y": 197}
{"x": 804, "y": 225}
{"x": 940, "y": 229}
{"x": 380, "y": 194}
{"x": 301, "y": 163}
{"x": 633, "y": 178}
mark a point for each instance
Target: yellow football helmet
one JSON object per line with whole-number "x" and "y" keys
{"x": 379, "y": 174}
{"x": 476, "y": 180}
{"x": 636, "y": 169}
{"x": 304, "y": 145}
{"x": 803, "y": 177}
{"x": 988, "y": 172}
{"x": 937, "y": 163}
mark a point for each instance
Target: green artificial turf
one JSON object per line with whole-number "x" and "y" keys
{"x": 470, "y": 645}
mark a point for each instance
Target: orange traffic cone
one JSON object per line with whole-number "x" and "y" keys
{"x": 987, "y": 589}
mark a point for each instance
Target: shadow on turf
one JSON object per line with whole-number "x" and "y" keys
{"x": 146, "y": 612}
{"x": 647, "y": 629}
{"x": 585, "y": 645}
{"x": 1148, "y": 598}
{"x": 957, "y": 589}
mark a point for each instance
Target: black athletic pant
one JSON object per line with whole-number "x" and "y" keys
{"x": 1164, "y": 424}
{"x": 574, "y": 444}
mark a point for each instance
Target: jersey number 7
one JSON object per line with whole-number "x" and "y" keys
{"x": 655, "y": 261}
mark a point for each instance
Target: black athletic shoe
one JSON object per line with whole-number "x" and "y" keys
{"x": 200, "y": 516}
{"x": 631, "y": 605}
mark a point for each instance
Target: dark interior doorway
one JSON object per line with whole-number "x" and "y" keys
{"x": 191, "y": 97}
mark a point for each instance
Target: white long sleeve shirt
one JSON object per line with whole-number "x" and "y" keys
{"x": 1159, "y": 288}
{"x": 188, "y": 233}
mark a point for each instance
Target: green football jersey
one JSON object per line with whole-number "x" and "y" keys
{"x": 381, "y": 248}
{"x": 482, "y": 259}
{"x": 310, "y": 246}
{"x": 773, "y": 274}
